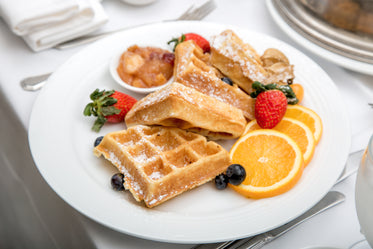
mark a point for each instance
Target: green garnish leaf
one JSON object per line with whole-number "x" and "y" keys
{"x": 109, "y": 101}
{"x": 100, "y": 121}
{"x": 87, "y": 110}
{"x": 109, "y": 110}
{"x": 96, "y": 94}
{"x": 287, "y": 90}
{"x": 102, "y": 105}
{"x": 176, "y": 41}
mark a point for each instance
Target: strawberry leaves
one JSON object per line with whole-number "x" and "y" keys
{"x": 176, "y": 41}
{"x": 285, "y": 89}
{"x": 199, "y": 40}
{"x": 101, "y": 107}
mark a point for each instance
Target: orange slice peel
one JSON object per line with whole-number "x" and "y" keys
{"x": 297, "y": 130}
{"x": 273, "y": 162}
{"x": 308, "y": 117}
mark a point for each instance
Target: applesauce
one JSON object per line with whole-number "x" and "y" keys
{"x": 146, "y": 67}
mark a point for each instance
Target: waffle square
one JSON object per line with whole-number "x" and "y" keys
{"x": 160, "y": 163}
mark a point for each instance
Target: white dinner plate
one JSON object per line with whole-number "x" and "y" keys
{"x": 61, "y": 142}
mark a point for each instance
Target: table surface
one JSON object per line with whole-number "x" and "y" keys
{"x": 337, "y": 227}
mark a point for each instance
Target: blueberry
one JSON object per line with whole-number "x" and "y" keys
{"x": 221, "y": 181}
{"x": 227, "y": 80}
{"x": 236, "y": 174}
{"x": 117, "y": 181}
{"x": 98, "y": 140}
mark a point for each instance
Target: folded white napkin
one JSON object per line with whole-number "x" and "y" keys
{"x": 46, "y": 23}
{"x": 24, "y": 17}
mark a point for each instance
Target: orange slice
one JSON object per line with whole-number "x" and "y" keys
{"x": 297, "y": 130}
{"x": 273, "y": 162}
{"x": 298, "y": 91}
{"x": 308, "y": 117}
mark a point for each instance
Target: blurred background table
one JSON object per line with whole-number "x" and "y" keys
{"x": 337, "y": 227}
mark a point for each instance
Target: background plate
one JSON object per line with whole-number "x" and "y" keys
{"x": 315, "y": 44}
{"x": 61, "y": 142}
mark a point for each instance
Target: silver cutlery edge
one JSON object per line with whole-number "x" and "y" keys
{"x": 331, "y": 199}
{"x": 34, "y": 83}
{"x": 260, "y": 240}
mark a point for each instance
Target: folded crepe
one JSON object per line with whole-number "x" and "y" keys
{"x": 193, "y": 69}
{"x": 179, "y": 106}
{"x": 237, "y": 60}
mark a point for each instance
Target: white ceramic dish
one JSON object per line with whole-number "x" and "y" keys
{"x": 340, "y": 60}
{"x": 113, "y": 65}
{"x": 61, "y": 143}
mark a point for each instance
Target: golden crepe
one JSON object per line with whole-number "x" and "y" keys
{"x": 186, "y": 108}
{"x": 237, "y": 60}
{"x": 192, "y": 69}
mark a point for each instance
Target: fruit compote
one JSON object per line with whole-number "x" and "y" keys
{"x": 146, "y": 67}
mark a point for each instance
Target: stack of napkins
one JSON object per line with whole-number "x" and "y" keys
{"x": 46, "y": 23}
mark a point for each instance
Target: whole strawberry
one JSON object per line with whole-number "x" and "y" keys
{"x": 270, "y": 108}
{"x": 199, "y": 40}
{"x": 108, "y": 106}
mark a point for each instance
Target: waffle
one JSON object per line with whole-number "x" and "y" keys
{"x": 160, "y": 163}
{"x": 192, "y": 69}
{"x": 186, "y": 108}
{"x": 237, "y": 60}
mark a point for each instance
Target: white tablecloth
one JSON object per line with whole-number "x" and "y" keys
{"x": 337, "y": 227}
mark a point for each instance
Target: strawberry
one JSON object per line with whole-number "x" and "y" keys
{"x": 199, "y": 40}
{"x": 108, "y": 106}
{"x": 270, "y": 108}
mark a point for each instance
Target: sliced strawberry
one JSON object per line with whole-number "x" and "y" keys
{"x": 199, "y": 40}
{"x": 270, "y": 108}
{"x": 108, "y": 106}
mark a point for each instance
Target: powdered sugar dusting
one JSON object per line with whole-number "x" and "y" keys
{"x": 125, "y": 144}
{"x": 154, "y": 97}
{"x": 142, "y": 158}
{"x": 116, "y": 161}
{"x": 156, "y": 175}
{"x": 226, "y": 46}
{"x": 155, "y": 200}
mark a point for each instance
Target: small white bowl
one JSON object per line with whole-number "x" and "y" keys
{"x": 113, "y": 71}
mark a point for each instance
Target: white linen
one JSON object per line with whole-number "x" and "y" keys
{"x": 46, "y": 23}
{"x": 24, "y": 17}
